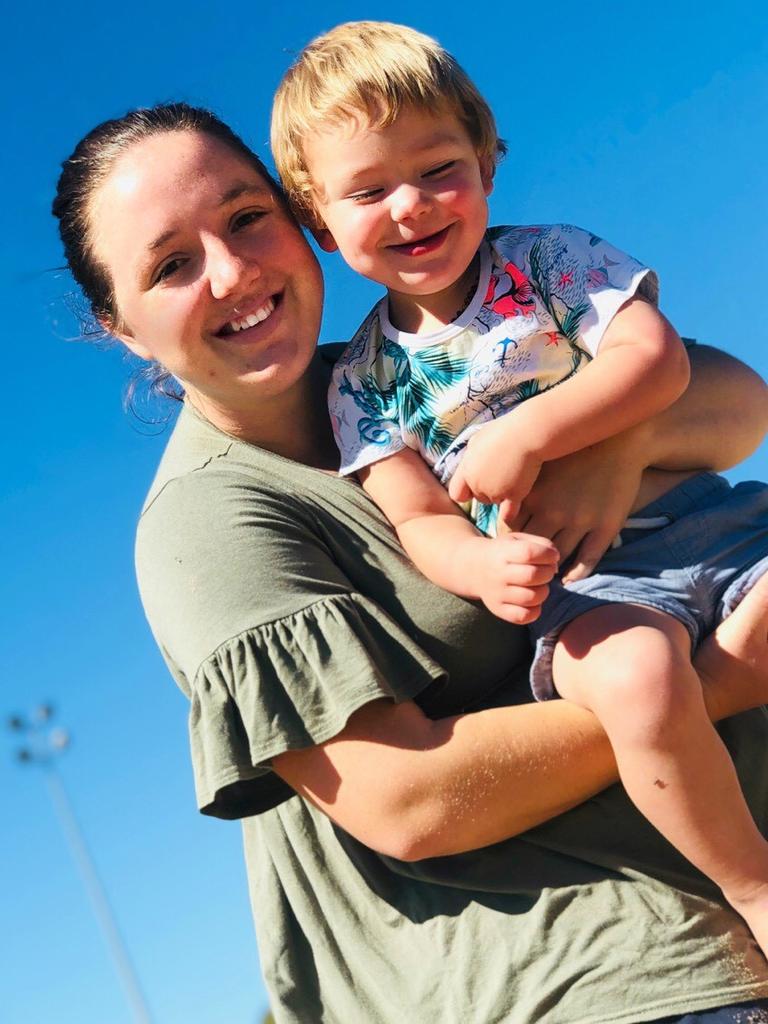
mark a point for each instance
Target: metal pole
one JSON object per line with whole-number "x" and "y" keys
{"x": 44, "y": 746}
{"x": 97, "y": 894}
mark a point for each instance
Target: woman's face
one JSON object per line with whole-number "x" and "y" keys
{"x": 211, "y": 276}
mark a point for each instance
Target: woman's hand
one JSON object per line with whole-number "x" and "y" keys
{"x": 581, "y": 501}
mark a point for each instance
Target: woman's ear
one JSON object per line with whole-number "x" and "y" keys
{"x": 324, "y": 239}
{"x": 123, "y": 334}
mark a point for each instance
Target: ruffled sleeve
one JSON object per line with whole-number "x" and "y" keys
{"x": 254, "y": 589}
{"x": 290, "y": 684}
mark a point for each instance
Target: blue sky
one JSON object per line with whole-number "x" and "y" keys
{"x": 645, "y": 125}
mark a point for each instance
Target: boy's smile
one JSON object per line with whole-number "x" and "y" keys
{"x": 422, "y": 246}
{"x": 406, "y": 205}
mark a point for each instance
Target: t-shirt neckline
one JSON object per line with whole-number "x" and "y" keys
{"x": 420, "y": 341}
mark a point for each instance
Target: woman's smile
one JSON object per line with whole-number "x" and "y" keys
{"x": 247, "y": 316}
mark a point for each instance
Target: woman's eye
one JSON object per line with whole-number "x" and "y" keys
{"x": 440, "y": 169}
{"x": 246, "y": 218}
{"x": 169, "y": 268}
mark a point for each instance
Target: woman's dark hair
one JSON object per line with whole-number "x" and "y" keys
{"x": 90, "y": 164}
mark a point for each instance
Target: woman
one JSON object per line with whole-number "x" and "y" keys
{"x": 318, "y": 662}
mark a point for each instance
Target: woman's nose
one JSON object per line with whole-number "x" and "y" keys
{"x": 227, "y": 269}
{"x": 409, "y": 202}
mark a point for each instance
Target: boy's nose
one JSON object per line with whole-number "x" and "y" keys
{"x": 409, "y": 202}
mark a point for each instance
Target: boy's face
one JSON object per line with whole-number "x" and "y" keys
{"x": 406, "y": 205}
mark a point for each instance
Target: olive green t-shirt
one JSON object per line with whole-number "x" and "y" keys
{"x": 282, "y": 602}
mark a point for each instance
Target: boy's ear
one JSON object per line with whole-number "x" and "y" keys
{"x": 486, "y": 176}
{"x": 324, "y": 239}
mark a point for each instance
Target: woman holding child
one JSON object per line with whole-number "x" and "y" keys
{"x": 422, "y": 845}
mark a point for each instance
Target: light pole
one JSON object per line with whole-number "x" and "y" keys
{"x": 44, "y": 744}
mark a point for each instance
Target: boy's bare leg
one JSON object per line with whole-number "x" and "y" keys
{"x": 630, "y": 665}
{"x": 732, "y": 662}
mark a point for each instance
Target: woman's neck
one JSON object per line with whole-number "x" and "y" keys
{"x": 295, "y": 425}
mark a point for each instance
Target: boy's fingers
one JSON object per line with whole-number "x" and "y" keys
{"x": 516, "y": 615}
{"x": 529, "y": 574}
{"x": 509, "y": 512}
{"x": 522, "y": 547}
{"x": 458, "y": 489}
{"x": 526, "y": 597}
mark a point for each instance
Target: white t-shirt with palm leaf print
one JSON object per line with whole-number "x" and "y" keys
{"x": 544, "y": 298}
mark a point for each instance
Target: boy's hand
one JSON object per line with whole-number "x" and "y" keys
{"x": 495, "y": 467}
{"x": 512, "y": 572}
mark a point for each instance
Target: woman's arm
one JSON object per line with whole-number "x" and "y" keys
{"x": 582, "y": 500}
{"x": 413, "y": 788}
{"x": 720, "y": 420}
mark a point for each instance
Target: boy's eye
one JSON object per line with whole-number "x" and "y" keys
{"x": 367, "y": 195}
{"x": 440, "y": 169}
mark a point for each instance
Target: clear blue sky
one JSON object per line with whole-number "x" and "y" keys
{"x": 646, "y": 125}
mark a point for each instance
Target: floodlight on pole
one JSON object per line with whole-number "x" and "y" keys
{"x": 44, "y": 744}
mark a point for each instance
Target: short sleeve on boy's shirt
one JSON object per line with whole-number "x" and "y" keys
{"x": 582, "y": 279}
{"x": 545, "y": 296}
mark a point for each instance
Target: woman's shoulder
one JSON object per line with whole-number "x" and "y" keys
{"x": 223, "y": 531}
{"x": 208, "y": 481}
{"x": 198, "y": 458}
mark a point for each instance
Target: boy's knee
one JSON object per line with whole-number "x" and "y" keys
{"x": 637, "y": 681}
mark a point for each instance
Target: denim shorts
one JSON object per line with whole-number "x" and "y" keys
{"x": 693, "y": 553}
{"x": 753, "y": 1012}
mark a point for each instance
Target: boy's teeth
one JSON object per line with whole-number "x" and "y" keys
{"x": 253, "y": 318}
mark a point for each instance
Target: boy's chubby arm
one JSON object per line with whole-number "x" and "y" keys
{"x": 509, "y": 573}
{"x": 640, "y": 369}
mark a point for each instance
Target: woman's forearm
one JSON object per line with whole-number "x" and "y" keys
{"x": 412, "y": 788}
{"x": 498, "y": 773}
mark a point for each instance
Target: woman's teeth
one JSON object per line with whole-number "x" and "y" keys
{"x": 253, "y": 318}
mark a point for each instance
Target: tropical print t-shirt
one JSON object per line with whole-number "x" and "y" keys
{"x": 544, "y": 298}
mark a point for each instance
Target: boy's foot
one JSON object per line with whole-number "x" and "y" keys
{"x": 733, "y": 661}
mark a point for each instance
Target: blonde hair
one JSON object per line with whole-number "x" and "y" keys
{"x": 373, "y": 68}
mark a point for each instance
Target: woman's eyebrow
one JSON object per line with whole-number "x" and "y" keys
{"x": 244, "y": 188}
{"x": 240, "y": 188}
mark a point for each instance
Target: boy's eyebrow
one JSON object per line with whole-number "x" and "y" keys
{"x": 238, "y": 189}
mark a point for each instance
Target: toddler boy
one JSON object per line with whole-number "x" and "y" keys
{"x": 492, "y": 353}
